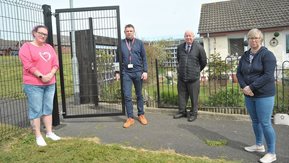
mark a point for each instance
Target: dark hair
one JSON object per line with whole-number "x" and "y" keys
{"x": 129, "y": 26}
{"x": 35, "y": 29}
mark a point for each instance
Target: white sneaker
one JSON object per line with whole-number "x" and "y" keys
{"x": 255, "y": 148}
{"x": 268, "y": 158}
{"x": 40, "y": 141}
{"x": 53, "y": 136}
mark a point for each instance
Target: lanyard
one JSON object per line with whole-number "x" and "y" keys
{"x": 129, "y": 47}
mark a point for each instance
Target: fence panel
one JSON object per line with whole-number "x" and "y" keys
{"x": 17, "y": 18}
{"x": 282, "y": 88}
{"x": 218, "y": 94}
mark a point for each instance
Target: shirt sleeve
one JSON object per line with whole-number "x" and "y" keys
{"x": 203, "y": 58}
{"x": 144, "y": 58}
{"x": 240, "y": 76}
{"x": 26, "y": 59}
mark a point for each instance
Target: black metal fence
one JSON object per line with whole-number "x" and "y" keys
{"x": 219, "y": 92}
{"x": 17, "y": 18}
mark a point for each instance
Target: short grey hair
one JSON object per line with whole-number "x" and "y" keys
{"x": 255, "y": 33}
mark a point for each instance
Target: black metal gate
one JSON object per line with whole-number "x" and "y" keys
{"x": 167, "y": 95}
{"x": 87, "y": 40}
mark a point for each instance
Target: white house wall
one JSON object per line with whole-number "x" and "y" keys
{"x": 220, "y": 45}
{"x": 279, "y": 50}
{"x": 216, "y": 45}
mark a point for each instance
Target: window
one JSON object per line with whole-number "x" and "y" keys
{"x": 287, "y": 43}
{"x": 236, "y": 46}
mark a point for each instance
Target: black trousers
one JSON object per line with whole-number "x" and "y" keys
{"x": 186, "y": 90}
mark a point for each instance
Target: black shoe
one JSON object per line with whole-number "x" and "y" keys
{"x": 191, "y": 116}
{"x": 179, "y": 115}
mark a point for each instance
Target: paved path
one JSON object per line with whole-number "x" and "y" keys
{"x": 165, "y": 133}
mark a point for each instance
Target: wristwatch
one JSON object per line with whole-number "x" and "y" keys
{"x": 40, "y": 76}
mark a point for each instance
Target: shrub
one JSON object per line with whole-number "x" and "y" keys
{"x": 230, "y": 97}
{"x": 169, "y": 97}
{"x": 217, "y": 68}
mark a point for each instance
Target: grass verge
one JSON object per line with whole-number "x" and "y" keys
{"x": 216, "y": 143}
{"x": 24, "y": 149}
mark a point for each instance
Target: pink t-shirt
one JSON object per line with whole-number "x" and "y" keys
{"x": 35, "y": 58}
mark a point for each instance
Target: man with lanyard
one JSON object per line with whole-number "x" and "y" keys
{"x": 134, "y": 71}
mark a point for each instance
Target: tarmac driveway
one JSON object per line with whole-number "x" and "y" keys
{"x": 165, "y": 133}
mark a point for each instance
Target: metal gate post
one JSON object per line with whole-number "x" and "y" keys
{"x": 47, "y": 15}
{"x": 158, "y": 84}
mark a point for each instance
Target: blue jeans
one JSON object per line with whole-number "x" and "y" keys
{"x": 260, "y": 110}
{"x": 135, "y": 79}
{"x": 40, "y": 100}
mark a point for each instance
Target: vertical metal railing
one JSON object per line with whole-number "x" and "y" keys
{"x": 17, "y": 18}
{"x": 226, "y": 96}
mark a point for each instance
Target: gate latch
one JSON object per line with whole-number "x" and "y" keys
{"x": 92, "y": 66}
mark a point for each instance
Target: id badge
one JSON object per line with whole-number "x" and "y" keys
{"x": 130, "y": 65}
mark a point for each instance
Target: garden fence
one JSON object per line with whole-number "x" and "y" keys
{"x": 17, "y": 18}
{"x": 219, "y": 91}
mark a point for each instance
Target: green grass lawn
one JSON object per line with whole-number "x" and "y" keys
{"x": 11, "y": 77}
{"x": 24, "y": 149}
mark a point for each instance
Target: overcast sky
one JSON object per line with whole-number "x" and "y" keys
{"x": 153, "y": 19}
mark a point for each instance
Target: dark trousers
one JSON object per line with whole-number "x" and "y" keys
{"x": 135, "y": 79}
{"x": 186, "y": 90}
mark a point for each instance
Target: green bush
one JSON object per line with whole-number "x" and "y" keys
{"x": 110, "y": 91}
{"x": 226, "y": 97}
{"x": 169, "y": 97}
{"x": 217, "y": 68}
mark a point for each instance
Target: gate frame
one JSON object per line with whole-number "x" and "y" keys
{"x": 47, "y": 16}
{"x": 63, "y": 99}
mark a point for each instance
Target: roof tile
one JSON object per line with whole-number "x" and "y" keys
{"x": 243, "y": 15}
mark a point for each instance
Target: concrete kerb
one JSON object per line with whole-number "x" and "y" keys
{"x": 202, "y": 114}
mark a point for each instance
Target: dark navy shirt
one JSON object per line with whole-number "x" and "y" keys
{"x": 137, "y": 55}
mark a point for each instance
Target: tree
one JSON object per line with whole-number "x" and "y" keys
{"x": 156, "y": 50}
{"x": 217, "y": 68}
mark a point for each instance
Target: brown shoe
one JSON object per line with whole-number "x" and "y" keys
{"x": 142, "y": 119}
{"x": 128, "y": 123}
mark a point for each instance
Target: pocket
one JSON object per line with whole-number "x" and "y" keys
{"x": 139, "y": 74}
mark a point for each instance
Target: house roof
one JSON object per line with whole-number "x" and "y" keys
{"x": 236, "y": 15}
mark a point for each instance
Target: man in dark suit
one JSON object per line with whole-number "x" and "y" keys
{"x": 192, "y": 60}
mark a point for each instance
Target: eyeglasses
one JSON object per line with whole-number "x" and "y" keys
{"x": 254, "y": 38}
{"x": 42, "y": 34}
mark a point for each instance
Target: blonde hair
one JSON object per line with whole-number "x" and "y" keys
{"x": 255, "y": 33}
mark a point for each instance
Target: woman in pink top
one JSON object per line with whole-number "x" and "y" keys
{"x": 40, "y": 64}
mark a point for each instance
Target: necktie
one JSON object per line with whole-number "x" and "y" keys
{"x": 188, "y": 48}
{"x": 129, "y": 43}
